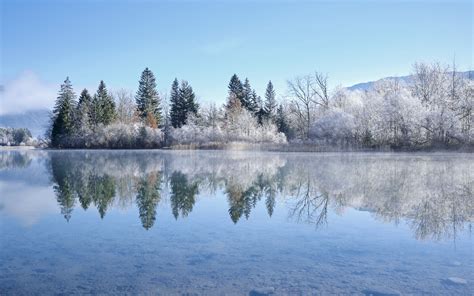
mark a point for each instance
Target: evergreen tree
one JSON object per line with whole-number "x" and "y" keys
{"x": 247, "y": 98}
{"x": 175, "y": 110}
{"x": 63, "y": 114}
{"x": 281, "y": 121}
{"x": 270, "y": 101}
{"x": 183, "y": 102}
{"x": 83, "y": 111}
{"x": 107, "y": 104}
{"x": 259, "y": 108}
{"x": 236, "y": 88}
{"x": 188, "y": 99}
{"x": 95, "y": 114}
{"x": 148, "y": 101}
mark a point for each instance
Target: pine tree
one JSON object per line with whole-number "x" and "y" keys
{"x": 148, "y": 101}
{"x": 270, "y": 101}
{"x": 63, "y": 114}
{"x": 83, "y": 110}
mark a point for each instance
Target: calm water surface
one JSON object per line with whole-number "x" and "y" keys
{"x": 236, "y": 223}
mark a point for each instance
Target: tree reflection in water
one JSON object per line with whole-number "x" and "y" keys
{"x": 434, "y": 194}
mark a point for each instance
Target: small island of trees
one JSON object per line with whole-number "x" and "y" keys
{"x": 432, "y": 109}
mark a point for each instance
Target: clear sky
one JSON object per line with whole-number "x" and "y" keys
{"x": 205, "y": 42}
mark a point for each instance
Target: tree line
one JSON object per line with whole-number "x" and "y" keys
{"x": 433, "y": 109}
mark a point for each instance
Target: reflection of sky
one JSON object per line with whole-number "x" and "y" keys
{"x": 26, "y": 203}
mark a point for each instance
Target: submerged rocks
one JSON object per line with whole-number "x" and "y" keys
{"x": 381, "y": 292}
{"x": 262, "y": 291}
{"x": 455, "y": 281}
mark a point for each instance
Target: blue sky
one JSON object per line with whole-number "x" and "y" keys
{"x": 205, "y": 42}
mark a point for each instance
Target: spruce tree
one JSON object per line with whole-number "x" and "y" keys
{"x": 281, "y": 121}
{"x": 175, "y": 108}
{"x": 63, "y": 114}
{"x": 247, "y": 99}
{"x": 148, "y": 101}
{"x": 183, "y": 102}
{"x": 106, "y": 105}
{"x": 236, "y": 88}
{"x": 259, "y": 109}
{"x": 270, "y": 101}
{"x": 84, "y": 106}
{"x": 188, "y": 99}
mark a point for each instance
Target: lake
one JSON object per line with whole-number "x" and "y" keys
{"x": 235, "y": 223}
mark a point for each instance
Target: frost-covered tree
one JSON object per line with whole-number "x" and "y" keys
{"x": 248, "y": 99}
{"x": 103, "y": 107}
{"x": 148, "y": 100}
{"x": 270, "y": 102}
{"x": 126, "y": 109}
{"x": 176, "y": 105}
{"x": 236, "y": 88}
{"x": 282, "y": 122}
{"x": 188, "y": 99}
{"x": 63, "y": 114}
{"x": 302, "y": 96}
{"x": 83, "y": 111}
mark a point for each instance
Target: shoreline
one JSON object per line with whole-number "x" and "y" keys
{"x": 305, "y": 148}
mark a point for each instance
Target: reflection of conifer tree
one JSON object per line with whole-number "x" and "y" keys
{"x": 65, "y": 197}
{"x": 63, "y": 187}
{"x": 250, "y": 198}
{"x": 236, "y": 202}
{"x": 182, "y": 194}
{"x": 148, "y": 197}
{"x": 83, "y": 190}
{"x": 102, "y": 189}
{"x": 270, "y": 200}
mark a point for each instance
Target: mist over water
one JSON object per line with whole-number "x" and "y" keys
{"x": 215, "y": 222}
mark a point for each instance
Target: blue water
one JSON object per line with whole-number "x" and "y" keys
{"x": 235, "y": 223}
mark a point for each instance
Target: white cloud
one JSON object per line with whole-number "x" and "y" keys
{"x": 27, "y": 92}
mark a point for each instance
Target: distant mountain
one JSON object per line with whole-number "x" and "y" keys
{"x": 406, "y": 79}
{"x": 35, "y": 120}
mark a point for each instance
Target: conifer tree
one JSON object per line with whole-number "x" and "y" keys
{"x": 63, "y": 114}
{"x": 247, "y": 98}
{"x": 148, "y": 101}
{"x": 95, "y": 113}
{"x": 83, "y": 110}
{"x": 281, "y": 121}
{"x": 188, "y": 99}
{"x": 236, "y": 88}
{"x": 270, "y": 101}
{"x": 176, "y": 106}
{"x": 107, "y": 105}
{"x": 183, "y": 102}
